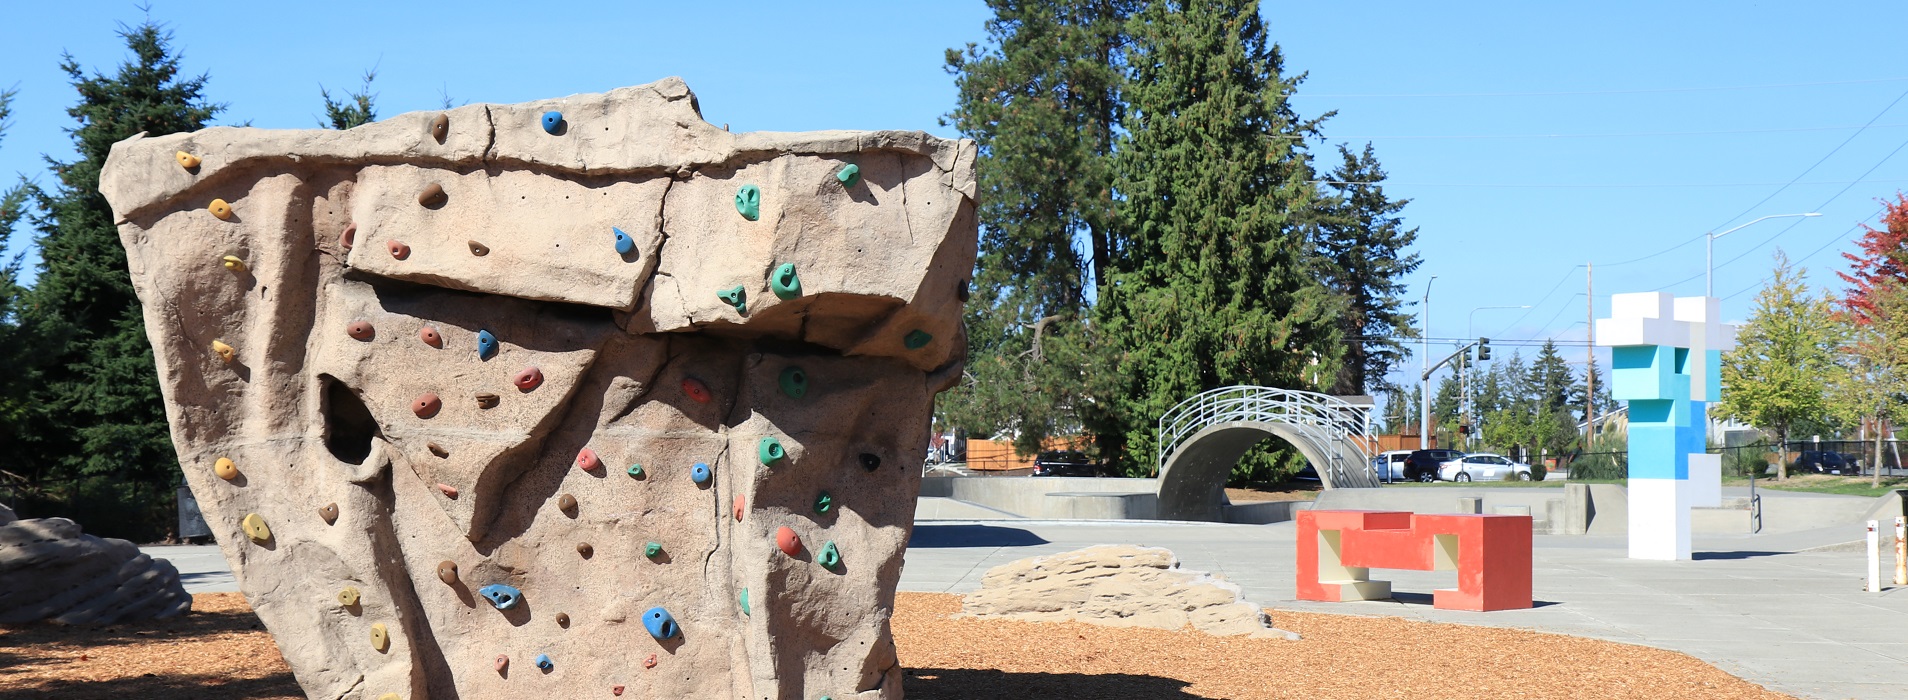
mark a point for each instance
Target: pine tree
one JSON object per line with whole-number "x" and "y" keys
{"x": 19, "y": 346}
{"x": 1774, "y": 378}
{"x": 100, "y": 410}
{"x": 1363, "y": 241}
{"x": 356, "y": 109}
{"x": 1883, "y": 259}
{"x": 1213, "y": 282}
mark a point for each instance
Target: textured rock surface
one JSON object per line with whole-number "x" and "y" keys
{"x": 396, "y": 284}
{"x": 1117, "y": 585}
{"x": 51, "y": 570}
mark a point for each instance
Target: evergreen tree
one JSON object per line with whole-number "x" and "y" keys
{"x": 99, "y": 410}
{"x": 1774, "y": 378}
{"x": 1363, "y": 240}
{"x": 19, "y": 347}
{"x": 1213, "y": 281}
{"x": 355, "y": 109}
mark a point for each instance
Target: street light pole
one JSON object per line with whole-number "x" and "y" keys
{"x": 1709, "y": 249}
{"x": 1424, "y": 356}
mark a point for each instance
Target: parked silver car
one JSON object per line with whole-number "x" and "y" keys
{"x": 1483, "y": 466}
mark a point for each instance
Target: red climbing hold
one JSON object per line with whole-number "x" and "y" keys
{"x": 529, "y": 379}
{"x": 785, "y": 538}
{"x": 696, "y": 389}
{"x": 427, "y": 405}
{"x": 650, "y": 662}
{"x": 398, "y": 249}
{"x": 360, "y": 330}
{"x": 586, "y": 460}
{"x": 349, "y": 236}
{"x": 449, "y": 490}
{"x": 741, "y": 505}
{"x": 616, "y": 690}
{"x": 430, "y": 337}
{"x": 503, "y": 662}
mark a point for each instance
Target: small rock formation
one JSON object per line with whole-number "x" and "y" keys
{"x": 543, "y": 382}
{"x": 1119, "y": 586}
{"x": 50, "y": 570}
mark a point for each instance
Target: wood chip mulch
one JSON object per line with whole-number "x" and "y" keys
{"x": 221, "y": 652}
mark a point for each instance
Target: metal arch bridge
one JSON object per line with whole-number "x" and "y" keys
{"x": 1202, "y": 438}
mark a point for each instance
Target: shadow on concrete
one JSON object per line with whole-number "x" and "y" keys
{"x": 1700, "y": 556}
{"x": 205, "y": 687}
{"x": 963, "y": 683}
{"x": 935, "y": 536}
{"x": 1426, "y": 599}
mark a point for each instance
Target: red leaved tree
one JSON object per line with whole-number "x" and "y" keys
{"x": 1883, "y": 260}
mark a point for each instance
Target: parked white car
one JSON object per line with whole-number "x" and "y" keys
{"x": 1483, "y": 466}
{"x": 1390, "y": 465}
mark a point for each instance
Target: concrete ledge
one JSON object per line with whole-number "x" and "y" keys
{"x": 1026, "y": 496}
{"x": 1264, "y": 512}
{"x": 1101, "y": 506}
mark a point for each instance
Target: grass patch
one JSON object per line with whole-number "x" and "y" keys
{"x": 1825, "y": 483}
{"x": 1556, "y": 484}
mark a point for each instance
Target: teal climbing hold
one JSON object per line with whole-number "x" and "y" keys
{"x": 652, "y": 550}
{"x": 486, "y": 345}
{"x": 784, "y": 281}
{"x": 635, "y": 471}
{"x": 770, "y": 450}
{"x": 745, "y": 601}
{"x": 829, "y": 557}
{"x": 544, "y": 662}
{"x": 794, "y": 382}
{"x": 748, "y": 201}
{"x": 699, "y": 473}
{"x": 501, "y": 596}
{"x": 735, "y": 297}
{"x": 916, "y": 339}
{"x": 824, "y": 503}
{"x": 552, "y": 121}
{"x": 849, "y": 175}
{"x": 624, "y": 243}
{"x": 660, "y": 624}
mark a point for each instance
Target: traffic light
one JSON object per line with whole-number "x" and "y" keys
{"x": 1483, "y": 349}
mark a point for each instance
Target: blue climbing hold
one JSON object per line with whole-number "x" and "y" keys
{"x": 552, "y": 121}
{"x": 502, "y": 596}
{"x": 624, "y": 243}
{"x": 486, "y": 345}
{"x": 544, "y": 662}
{"x": 700, "y": 473}
{"x": 661, "y": 625}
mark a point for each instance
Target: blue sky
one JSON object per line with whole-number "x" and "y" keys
{"x": 1531, "y": 137}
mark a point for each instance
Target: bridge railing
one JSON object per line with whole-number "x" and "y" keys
{"x": 1328, "y": 417}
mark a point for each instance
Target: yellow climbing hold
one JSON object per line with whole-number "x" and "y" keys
{"x": 220, "y": 209}
{"x": 225, "y": 352}
{"x": 233, "y": 263}
{"x": 348, "y": 597}
{"x": 380, "y": 637}
{"x": 186, "y": 160}
{"x": 256, "y": 528}
{"x": 389, "y": 696}
{"x": 225, "y": 469}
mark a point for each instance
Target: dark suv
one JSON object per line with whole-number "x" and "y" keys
{"x": 1065, "y": 463}
{"x": 1423, "y": 465}
{"x": 1825, "y": 462}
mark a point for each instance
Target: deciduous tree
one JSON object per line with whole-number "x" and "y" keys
{"x": 1776, "y": 377}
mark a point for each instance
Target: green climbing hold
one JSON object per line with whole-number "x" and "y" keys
{"x": 794, "y": 382}
{"x": 824, "y": 503}
{"x": 784, "y": 282}
{"x": 652, "y": 550}
{"x": 849, "y": 175}
{"x": 830, "y": 557}
{"x": 737, "y": 298}
{"x": 635, "y": 471}
{"x": 770, "y": 450}
{"x": 748, "y": 201}
{"x": 745, "y": 601}
{"x": 916, "y": 339}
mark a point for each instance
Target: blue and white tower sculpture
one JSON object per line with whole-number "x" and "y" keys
{"x": 1666, "y": 362}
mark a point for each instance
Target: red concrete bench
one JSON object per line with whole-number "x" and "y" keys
{"x": 1491, "y": 554}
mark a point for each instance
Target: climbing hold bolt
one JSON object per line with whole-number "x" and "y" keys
{"x": 233, "y": 263}
{"x": 486, "y": 345}
{"x": 824, "y": 503}
{"x": 650, "y": 662}
{"x": 348, "y": 597}
{"x": 450, "y": 491}
{"x": 699, "y": 473}
{"x": 329, "y": 513}
{"x": 186, "y": 160}
{"x": 256, "y": 529}
{"x": 652, "y": 550}
{"x": 349, "y": 237}
{"x": 784, "y": 282}
{"x": 848, "y": 175}
{"x": 398, "y": 249}
{"x": 748, "y": 201}
{"x": 740, "y": 507}
{"x": 770, "y": 450}
{"x": 380, "y": 637}
{"x": 870, "y": 461}
{"x": 661, "y": 625}
{"x": 225, "y": 469}
{"x": 566, "y": 503}
{"x": 552, "y": 121}
{"x": 486, "y": 400}
{"x": 736, "y": 297}
{"x": 361, "y": 330}
{"x": 584, "y": 549}
{"x": 225, "y": 352}
{"x": 502, "y": 663}
{"x": 586, "y": 460}
{"x": 830, "y": 557}
{"x": 437, "y": 450}
{"x": 478, "y": 249}
{"x": 785, "y": 538}
{"x": 430, "y": 336}
{"x": 744, "y": 598}
{"x": 696, "y": 390}
{"x": 543, "y": 662}
{"x": 624, "y": 244}
{"x": 220, "y": 209}
{"x": 427, "y": 405}
{"x": 432, "y": 195}
{"x": 635, "y": 471}
{"x": 563, "y": 620}
{"x": 440, "y": 127}
{"x": 916, "y": 339}
{"x": 794, "y": 382}
{"x": 501, "y": 596}
{"x": 447, "y": 572}
{"x": 529, "y": 379}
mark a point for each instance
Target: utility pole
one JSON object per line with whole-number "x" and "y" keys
{"x": 1424, "y": 379}
{"x": 1590, "y": 357}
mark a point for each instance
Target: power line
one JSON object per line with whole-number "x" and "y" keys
{"x": 1634, "y": 91}
{"x": 1540, "y": 302}
{"x": 1825, "y": 246}
{"x": 1799, "y": 176}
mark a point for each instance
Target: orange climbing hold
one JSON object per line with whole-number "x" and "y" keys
{"x": 449, "y": 490}
{"x": 225, "y": 469}
{"x": 786, "y": 539}
{"x": 586, "y": 460}
{"x": 360, "y": 330}
{"x": 650, "y": 662}
{"x": 427, "y": 405}
{"x": 447, "y": 572}
{"x": 503, "y": 662}
{"x": 430, "y": 337}
{"x": 186, "y": 160}
{"x": 220, "y": 209}
{"x": 349, "y": 237}
{"x": 225, "y": 352}
{"x": 696, "y": 390}
{"x": 741, "y": 505}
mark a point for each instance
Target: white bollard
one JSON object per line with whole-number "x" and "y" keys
{"x": 1901, "y": 550}
{"x": 1874, "y": 559}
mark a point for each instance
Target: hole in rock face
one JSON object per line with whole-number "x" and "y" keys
{"x": 349, "y": 426}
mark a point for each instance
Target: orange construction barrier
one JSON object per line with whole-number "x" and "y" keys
{"x": 1491, "y": 554}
